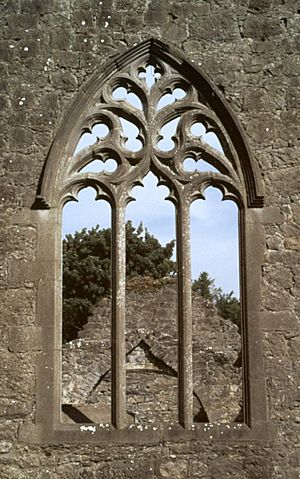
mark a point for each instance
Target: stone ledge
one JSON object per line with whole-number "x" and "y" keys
{"x": 263, "y": 432}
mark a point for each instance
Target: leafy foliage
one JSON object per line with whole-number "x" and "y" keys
{"x": 205, "y": 286}
{"x": 87, "y": 272}
{"x": 227, "y": 305}
{"x": 145, "y": 256}
{"x": 229, "y": 308}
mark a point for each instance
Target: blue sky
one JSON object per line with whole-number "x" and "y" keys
{"x": 214, "y": 223}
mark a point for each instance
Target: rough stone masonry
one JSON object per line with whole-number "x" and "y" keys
{"x": 250, "y": 50}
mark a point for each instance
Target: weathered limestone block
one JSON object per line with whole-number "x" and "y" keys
{"x": 215, "y": 27}
{"x": 22, "y": 339}
{"x": 261, "y": 26}
{"x": 175, "y": 470}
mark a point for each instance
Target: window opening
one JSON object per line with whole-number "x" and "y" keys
{"x": 169, "y": 98}
{"x": 150, "y": 74}
{"x": 167, "y": 135}
{"x": 122, "y": 93}
{"x": 217, "y": 367}
{"x": 215, "y": 240}
{"x": 97, "y": 166}
{"x": 98, "y": 132}
{"x": 131, "y": 135}
{"x": 179, "y": 135}
{"x": 151, "y": 307}
{"x": 199, "y": 130}
{"x": 191, "y": 164}
{"x": 86, "y": 320}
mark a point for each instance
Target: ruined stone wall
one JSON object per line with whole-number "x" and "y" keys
{"x": 250, "y": 49}
{"x": 151, "y": 360}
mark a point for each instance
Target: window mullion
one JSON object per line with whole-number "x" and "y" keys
{"x": 118, "y": 315}
{"x": 185, "y": 366}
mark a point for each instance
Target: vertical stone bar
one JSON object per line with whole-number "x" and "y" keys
{"x": 185, "y": 367}
{"x": 252, "y": 244}
{"x": 118, "y": 263}
{"x": 49, "y": 307}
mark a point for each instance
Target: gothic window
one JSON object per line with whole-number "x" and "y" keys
{"x": 149, "y": 111}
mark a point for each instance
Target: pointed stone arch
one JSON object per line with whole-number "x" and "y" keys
{"x": 149, "y": 51}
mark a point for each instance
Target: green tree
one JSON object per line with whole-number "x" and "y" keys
{"x": 227, "y": 305}
{"x": 229, "y": 308}
{"x": 205, "y": 286}
{"x": 87, "y": 273}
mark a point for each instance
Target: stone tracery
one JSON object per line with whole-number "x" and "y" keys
{"x": 127, "y": 99}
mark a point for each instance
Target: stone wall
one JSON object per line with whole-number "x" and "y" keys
{"x": 250, "y": 49}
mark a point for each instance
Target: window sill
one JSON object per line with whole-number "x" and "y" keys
{"x": 134, "y": 434}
